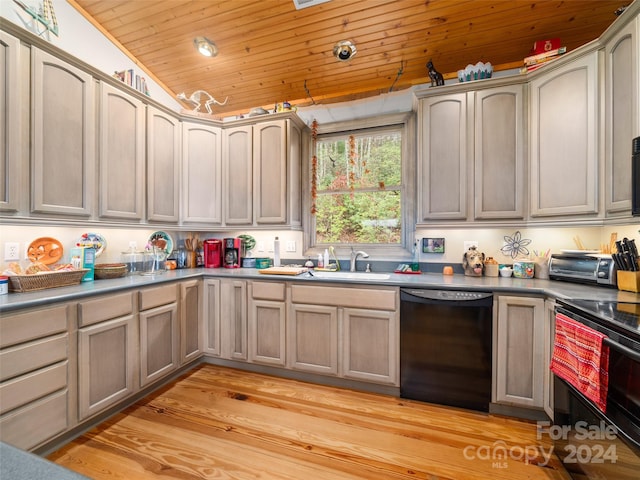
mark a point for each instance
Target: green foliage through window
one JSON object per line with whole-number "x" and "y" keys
{"x": 359, "y": 181}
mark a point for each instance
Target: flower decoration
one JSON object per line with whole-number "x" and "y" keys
{"x": 515, "y": 245}
{"x": 314, "y": 167}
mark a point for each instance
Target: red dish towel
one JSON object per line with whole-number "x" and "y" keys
{"x": 580, "y": 358}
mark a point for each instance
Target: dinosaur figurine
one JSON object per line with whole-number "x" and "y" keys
{"x": 196, "y": 99}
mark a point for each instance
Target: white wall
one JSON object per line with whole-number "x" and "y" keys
{"x": 82, "y": 40}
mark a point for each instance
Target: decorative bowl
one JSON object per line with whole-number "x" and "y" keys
{"x": 506, "y": 271}
{"x": 104, "y": 271}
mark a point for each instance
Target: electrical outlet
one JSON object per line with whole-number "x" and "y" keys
{"x": 12, "y": 251}
{"x": 260, "y": 247}
{"x": 470, "y": 243}
{"x": 291, "y": 246}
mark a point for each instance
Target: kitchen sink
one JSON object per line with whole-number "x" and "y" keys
{"x": 351, "y": 275}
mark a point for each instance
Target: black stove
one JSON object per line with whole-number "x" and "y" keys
{"x": 624, "y": 317}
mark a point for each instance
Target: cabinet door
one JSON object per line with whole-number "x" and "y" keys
{"x": 202, "y": 174}
{"x": 63, "y": 137}
{"x": 158, "y": 342}
{"x": 519, "y": 351}
{"x": 233, "y": 313}
{"x": 312, "y": 343}
{"x": 211, "y": 312}
{"x": 122, "y": 154}
{"x": 163, "y": 166}
{"x": 191, "y": 306}
{"x": 564, "y": 139}
{"x": 622, "y": 115}
{"x": 238, "y": 175}
{"x": 499, "y": 152}
{"x": 106, "y": 364}
{"x": 549, "y": 336}
{"x": 267, "y": 332}
{"x": 370, "y": 345}
{"x": 270, "y": 172}
{"x": 294, "y": 189}
{"x": 10, "y": 151}
{"x": 442, "y": 158}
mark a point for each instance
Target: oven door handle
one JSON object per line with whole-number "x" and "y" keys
{"x": 626, "y": 351}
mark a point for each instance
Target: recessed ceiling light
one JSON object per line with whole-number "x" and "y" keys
{"x": 344, "y": 50}
{"x": 205, "y": 46}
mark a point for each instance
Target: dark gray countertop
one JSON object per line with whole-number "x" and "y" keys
{"x": 517, "y": 286}
{"x": 16, "y": 464}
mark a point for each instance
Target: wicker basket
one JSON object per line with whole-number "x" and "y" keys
{"x": 42, "y": 281}
{"x": 109, "y": 270}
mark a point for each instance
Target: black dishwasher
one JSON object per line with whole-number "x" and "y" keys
{"x": 445, "y": 347}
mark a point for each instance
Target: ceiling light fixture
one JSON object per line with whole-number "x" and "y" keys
{"x": 344, "y": 50}
{"x": 205, "y": 46}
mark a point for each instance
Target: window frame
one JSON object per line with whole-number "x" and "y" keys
{"x": 406, "y": 123}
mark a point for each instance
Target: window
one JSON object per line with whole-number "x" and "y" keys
{"x": 359, "y": 187}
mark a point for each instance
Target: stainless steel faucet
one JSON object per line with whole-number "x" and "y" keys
{"x": 354, "y": 257}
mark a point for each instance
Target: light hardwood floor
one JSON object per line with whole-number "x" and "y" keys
{"x": 221, "y": 423}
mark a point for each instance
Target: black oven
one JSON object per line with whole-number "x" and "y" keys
{"x": 593, "y": 444}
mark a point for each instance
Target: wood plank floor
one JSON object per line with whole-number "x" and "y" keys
{"x": 221, "y": 423}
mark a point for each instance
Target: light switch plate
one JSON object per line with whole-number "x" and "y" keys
{"x": 291, "y": 246}
{"x": 470, "y": 243}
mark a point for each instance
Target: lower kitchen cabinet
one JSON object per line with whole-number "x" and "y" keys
{"x": 211, "y": 342}
{"x": 348, "y": 332}
{"x": 518, "y": 351}
{"x": 370, "y": 339}
{"x": 107, "y": 341}
{"x": 267, "y": 323}
{"x": 159, "y": 331}
{"x": 191, "y": 306}
{"x": 313, "y": 338}
{"x": 233, "y": 315}
{"x": 36, "y": 376}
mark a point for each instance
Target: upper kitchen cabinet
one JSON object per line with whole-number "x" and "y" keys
{"x": 262, "y": 173}
{"x": 499, "y": 152}
{"x": 63, "y": 137}
{"x": 10, "y": 154}
{"x": 276, "y": 180}
{"x": 442, "y": 158}
{"x": 238, "y": 175}
{"x": 163, "y": 166}
{"x": 201, "y": 174}
{"x": 122, "y": 154}
{"x": 564, "y": 138}
{"x": 622, "y": 114}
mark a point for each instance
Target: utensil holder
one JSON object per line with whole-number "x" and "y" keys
{"x": 629, "y": 281}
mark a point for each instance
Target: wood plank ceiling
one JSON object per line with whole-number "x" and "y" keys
{"x": 270, "y": 52}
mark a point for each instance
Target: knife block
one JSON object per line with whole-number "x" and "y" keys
{"x": 629, "y": 281}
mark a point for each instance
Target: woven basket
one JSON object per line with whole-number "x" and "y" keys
{"x": 42, "y": 281}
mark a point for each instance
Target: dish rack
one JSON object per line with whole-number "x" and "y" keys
{"x": 42, "y": 281}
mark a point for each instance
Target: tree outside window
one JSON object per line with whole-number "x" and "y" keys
{"x": 358, "y": 187}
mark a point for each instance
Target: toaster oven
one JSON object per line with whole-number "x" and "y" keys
{"x": 595, "y": 269}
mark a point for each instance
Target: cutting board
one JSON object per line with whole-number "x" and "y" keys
{"x": 283, "y": 270}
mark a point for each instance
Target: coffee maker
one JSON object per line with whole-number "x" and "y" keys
{"x": 212, "y": 253}
{"x": 232, "y": 252}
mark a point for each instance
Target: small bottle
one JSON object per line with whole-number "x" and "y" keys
{"x": 415, "y": 265}
{"x": 320, "y": 261}
{"x": 276, "y": 252}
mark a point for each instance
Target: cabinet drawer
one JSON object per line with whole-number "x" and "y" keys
{"x": 27, "y": 388}
{"x": 104, "y": 308}
{"x": 31, "y": 356}
{"x": 28, "y": 326}
{"x": 268, "y": 291}
{"x": 376, "y": 299}
{"x": 39, "y": 421}
{"x": 155, "y": 297}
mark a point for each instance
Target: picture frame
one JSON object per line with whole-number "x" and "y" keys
{"x": 433, "y": 245}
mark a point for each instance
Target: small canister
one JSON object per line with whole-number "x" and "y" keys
{"x": 490, "y": 267}
{"x": 4, "y": 284}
